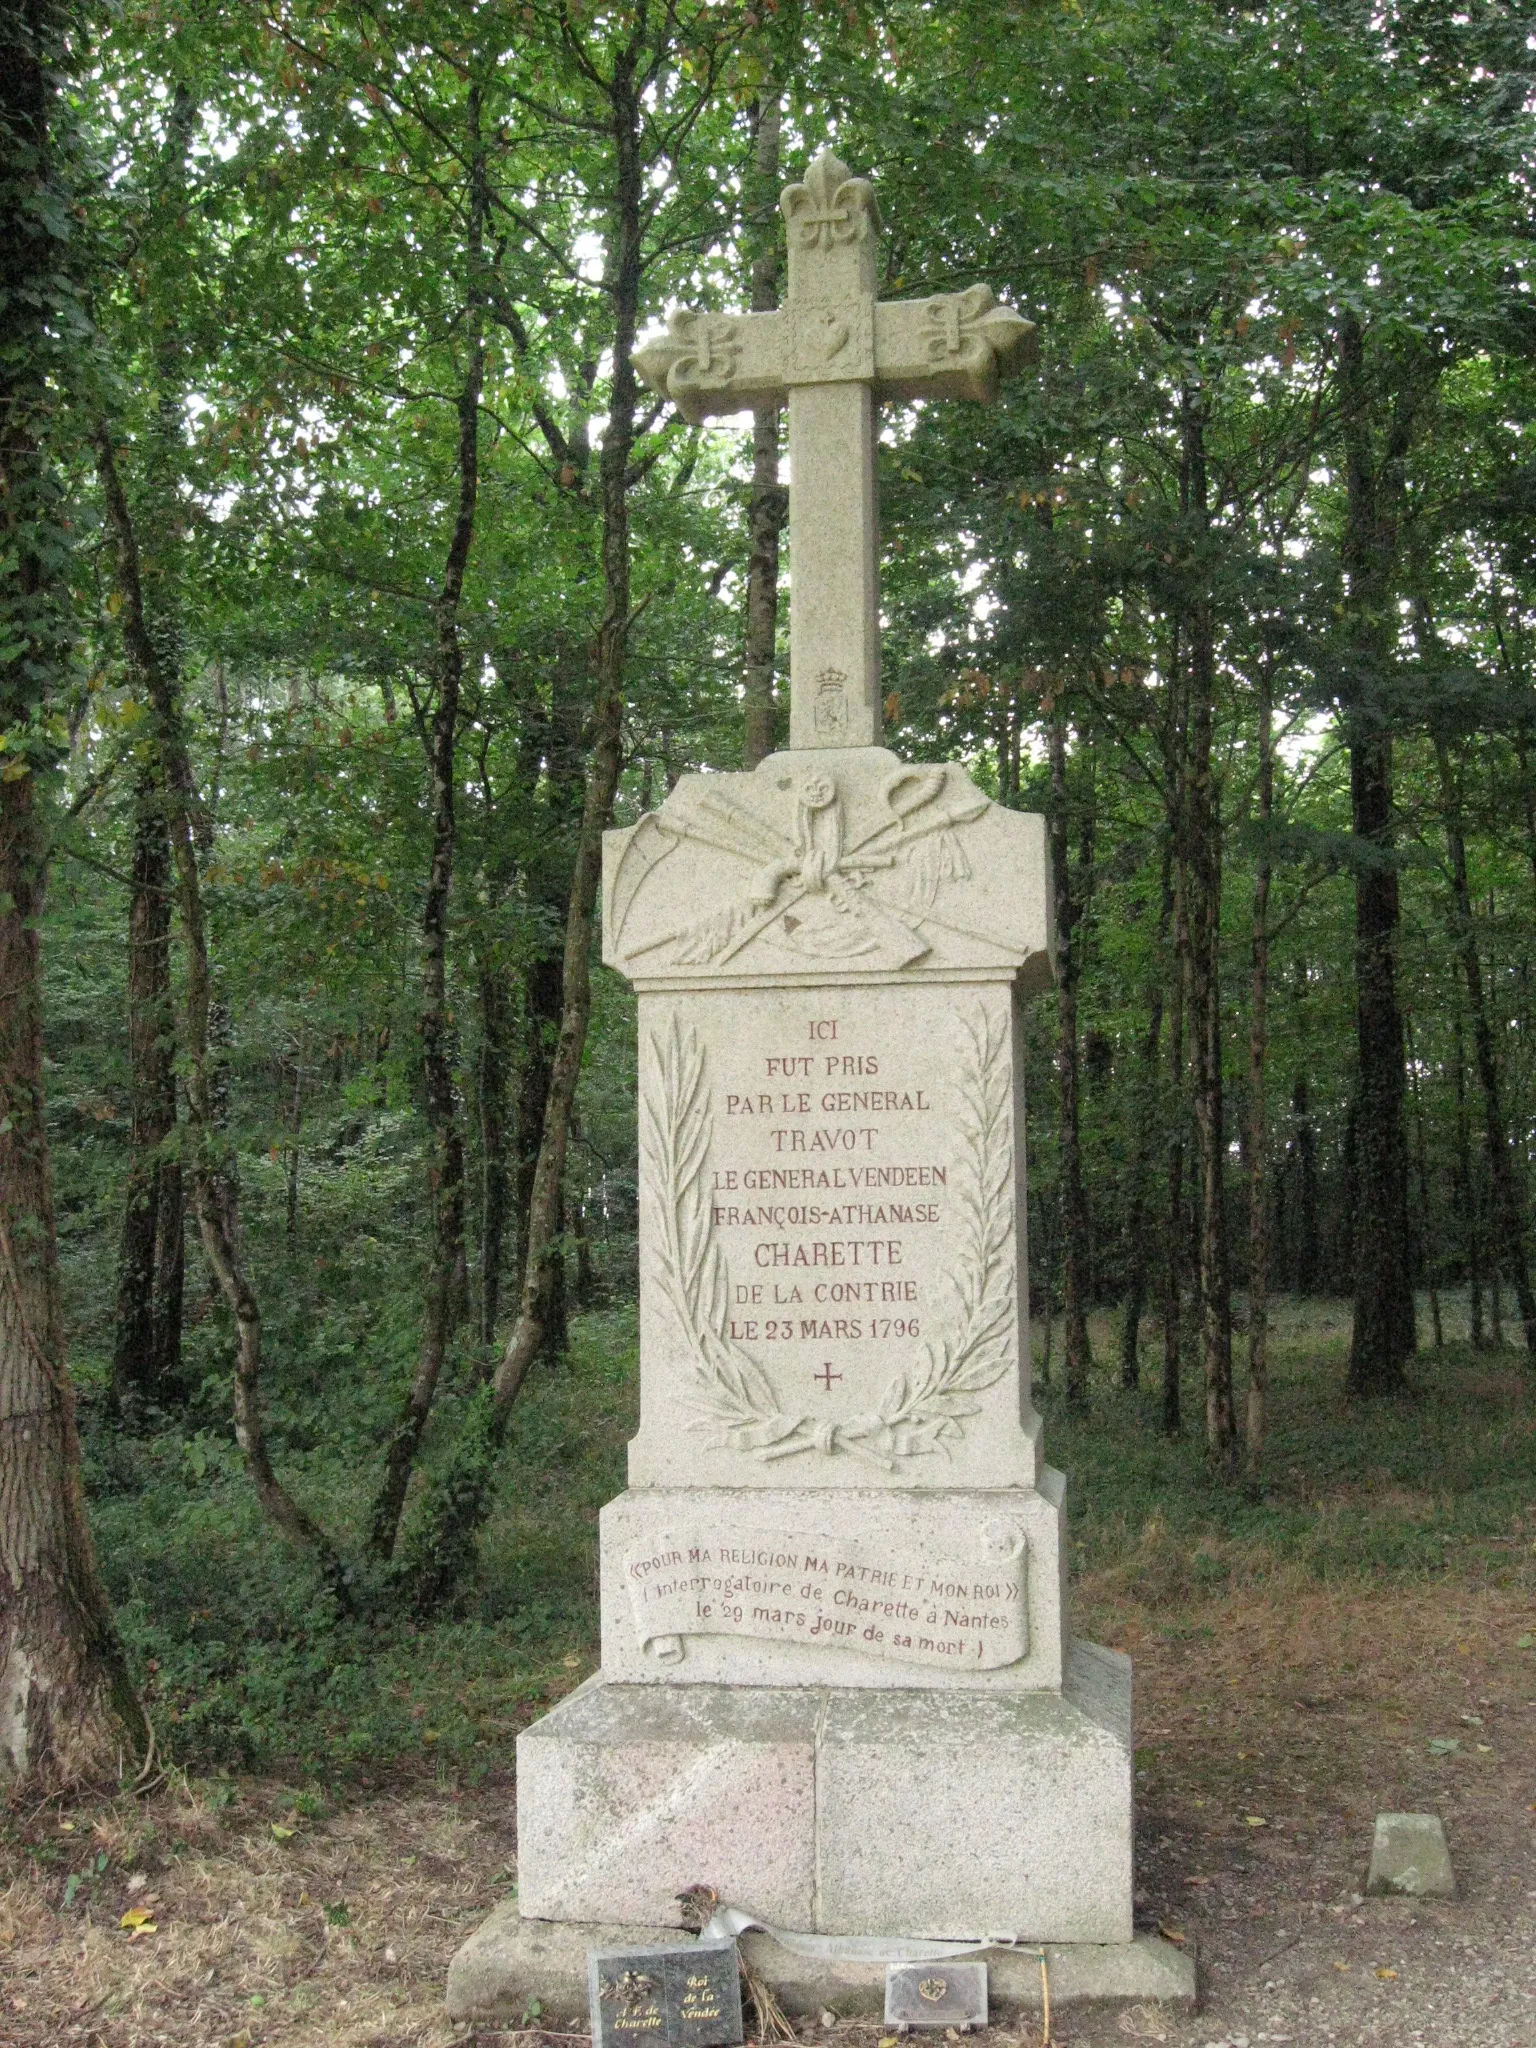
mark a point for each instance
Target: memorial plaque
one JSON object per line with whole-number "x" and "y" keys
{"x": 687, "y": 1997}
{"x": 966, "y": 1610}
{"x": 936, "y": 1995}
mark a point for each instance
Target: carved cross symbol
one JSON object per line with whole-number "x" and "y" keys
{"x": 826, "y": 1376}
{"x": 834, "y": 350}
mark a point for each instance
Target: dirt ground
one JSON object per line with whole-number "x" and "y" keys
{"x": 1272, "y": 1725}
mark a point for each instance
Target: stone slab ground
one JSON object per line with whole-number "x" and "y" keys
{"x": 1311, "y": 1709}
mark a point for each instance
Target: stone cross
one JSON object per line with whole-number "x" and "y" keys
{"x": 835, "y": 351}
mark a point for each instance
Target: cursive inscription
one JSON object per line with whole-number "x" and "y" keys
{"x": 894, "y": 1602}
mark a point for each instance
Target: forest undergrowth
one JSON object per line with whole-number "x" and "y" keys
{"x": 248, "y": 1662}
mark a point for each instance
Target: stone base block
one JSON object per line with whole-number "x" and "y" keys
{"x": 508, "y": 1962}
{"x": 837, "y": 1810}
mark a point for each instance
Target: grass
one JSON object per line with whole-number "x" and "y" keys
{"x": 1440, "y": 1480}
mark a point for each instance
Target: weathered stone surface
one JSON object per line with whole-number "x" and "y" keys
{"x": 819, "y": 1588}
{"x": 944, "y": 1813}
{"x": 1409, "y": 1856}
{"x": 927, "y": 1813}
{"x": 510, "y": 1960}
{"x": 629, "y": 1794}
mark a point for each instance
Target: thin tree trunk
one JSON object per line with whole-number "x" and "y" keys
{"x": 145, "y": 1330}
{"x": 67, "y": 1711}
{"x": 1258, "y": 1119}
{"x": 445, "y": 1141}
{"x": 1509, "y": 1223}
{"x": 1421, "y": 1161}
{"x": 212, "y": 1188}
{"x": 461, "y": 1500}
{"x": 1147, "y": 1120}
{"x": 1384, "y": 1333}
{"x": 1175, "y": 760}
{"x": 1467, "y": 1198}
{"x": 1203, "y": 857}
{"x": 495, "y": 1031}
{"x": 1074, "y": 1219}
{"x": 624, "y": 261}
{"x": 295, "y": 1124}
{"x": 767, "y": 506}
{"x": 1309, "y": 1250}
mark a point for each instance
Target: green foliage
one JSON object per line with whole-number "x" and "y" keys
{"x": 243, "y": 1654}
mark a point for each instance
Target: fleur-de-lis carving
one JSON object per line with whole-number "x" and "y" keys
{"x": 832, "y": 208}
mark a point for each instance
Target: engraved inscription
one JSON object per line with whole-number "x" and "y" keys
{"x": 953, "y": 1612}
{"x": 835, "y": 1245}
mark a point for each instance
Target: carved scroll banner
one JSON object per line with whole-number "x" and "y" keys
{"x": 894, "y": 1601}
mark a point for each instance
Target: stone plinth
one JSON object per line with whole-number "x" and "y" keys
{"x": 509, "y": 1961}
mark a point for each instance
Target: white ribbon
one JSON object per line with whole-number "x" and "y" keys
{"x": 727, "y": 1922}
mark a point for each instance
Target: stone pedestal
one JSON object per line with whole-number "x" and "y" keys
{"x": 836, "y": 1683}
{"x": 840, "y": 1810}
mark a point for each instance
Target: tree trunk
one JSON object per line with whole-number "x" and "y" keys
{"x": 495, "y": 1033}
{"x": 1384, "y": 1333}
{"x": 1074, "y": 1201}
{"x": 445, "y": 1138}
{"x": 146, "y": 1345}
{"x": 1258, "y": 1119}
{"x": 1147, "y": 1120}
{"x": 1203, "y": 861}
{"x": 460, "y": 1502}
{"x": 1467, "y": 1198}
{"x": 1509, "y": 1223}
{"x": 1421, "y": 1161}
{"x": 68, "y": 1714}
{"x": 1308, "y": 1274}
{"x": 212, "y": 1187}
{"x": 768, "y": 505}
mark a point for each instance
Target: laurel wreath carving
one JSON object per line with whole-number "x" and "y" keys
{"x": 925, "y": 1405}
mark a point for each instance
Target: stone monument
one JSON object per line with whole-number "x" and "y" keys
{"x": 837, "y": 1685}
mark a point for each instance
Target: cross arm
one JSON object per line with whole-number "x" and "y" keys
{"x": 955, "y": 345}
{"x": 716, "y": 362}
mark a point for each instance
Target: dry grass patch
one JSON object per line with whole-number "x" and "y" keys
{"x": 265, "y": 1926}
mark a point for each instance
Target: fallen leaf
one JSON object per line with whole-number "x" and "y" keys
{"x": 571, "y": 1663}
{"x": 1174, "y": 1934}
{"x": 888, "y": 2041}
{"x": 1254, "y": 1820}
{"x": 282, "y": 1834}
{"x": 1341, "y": 1966}
{"x": 1443, "y": 1745}
{"x": 136, "y": 1916}
{"x": 1384, "y": 1974}
{"x": 1525, "y": 1642}
{"x": 137, "y": 1882}
{"x": 1486, "y": 1748}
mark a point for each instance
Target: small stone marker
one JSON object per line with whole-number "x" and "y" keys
{"x": 1409, "y": 1858}
{"x": 687, "y": 1997}
{"x": 936, "y": 1995}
